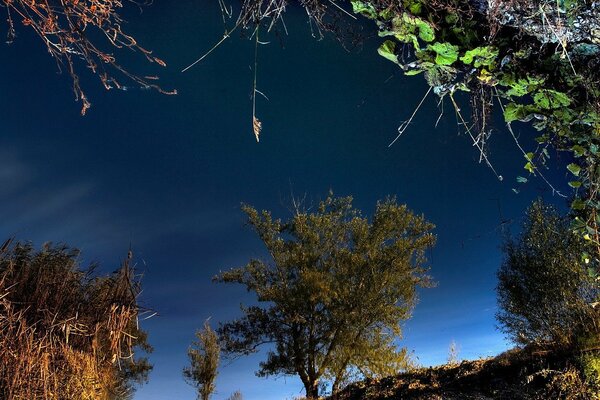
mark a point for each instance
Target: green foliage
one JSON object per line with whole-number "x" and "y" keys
{"x": 591, "y": 367}
{"x": 388, "y": 50}
{"x": 544, "y": 291}
{"x": 445, "y": 53}
{"x": 204, "y": 357}
{"x": 556, "y": 89}
{"x": 483, "y": 56}
{"x": 549, "y": 99}
{"x": 408, "y": 28}
{"x": 364, "y": 8}
{"x": 334, "y": 293}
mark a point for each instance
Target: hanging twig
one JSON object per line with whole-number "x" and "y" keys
{"x": 406, "y": 123}
{"x": 512, "y": 133}
{"x": 256, "y": 124}
{"x": 226, "y": 35}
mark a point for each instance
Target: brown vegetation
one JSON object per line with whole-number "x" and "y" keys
{"x": 63, "y": 333}
{"x": 532, "y": 373}
{"x": 68, "y": 29}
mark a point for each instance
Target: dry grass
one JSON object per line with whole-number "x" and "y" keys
{"x": 64, "y": 334}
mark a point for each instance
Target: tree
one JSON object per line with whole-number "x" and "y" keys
{"x": 204, "y": 362}
{"x": 64, "y": 332}
{"x": 67, "y": 27}
{"x": 334, "y": 292}
{"x": 544, "y": 291}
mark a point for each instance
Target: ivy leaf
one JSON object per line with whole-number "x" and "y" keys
{"x": 549, "y": 99}
{"x": 412, "y": 72}
{"x": 518, "y": 112}
{"x": 577, "y": 204}
{"x": 574, "y": 168}
{"x": 529, "y": 167}
{"x": 575, "y": 184}
{"x": 363, "y": 8}
{"x": 426, "y": 32}
{"x": 483, "y": 56}
{"x": 578, "y": 150}
{"x": 529, "y": 156}
{"x": 446, "y": 53}
{"x": 388, "y": 50}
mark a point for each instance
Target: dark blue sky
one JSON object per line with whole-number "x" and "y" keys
{"x": 167, "y": 174}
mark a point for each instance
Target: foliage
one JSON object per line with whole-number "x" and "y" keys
{"x": 549, "y": 76}
{"x": 67, "y": 27}
{"x": 237, "y": 395}
{"x": 537, "y": 59}
{"x": 333, "y": 295}
{"x": 204, "y": 361}
{"x": 545, "y": 293}
{"x": 64, "y": 333}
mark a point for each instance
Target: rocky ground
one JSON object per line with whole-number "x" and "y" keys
{"x": 517, "y": 374}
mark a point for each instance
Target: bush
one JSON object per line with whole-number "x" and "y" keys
{"x": 544, "y": 291}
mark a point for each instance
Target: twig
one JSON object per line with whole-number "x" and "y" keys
{"x": 402, "y": 128}
{"x": 512, "y": 133}
{"x": 256, "y": 124}
{"x": 475, "y": 141}
{"x": 342, "y": 10}
{"x": 226, "y": 35}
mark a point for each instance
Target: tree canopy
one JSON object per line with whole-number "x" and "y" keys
{"x": 334, "y": 292}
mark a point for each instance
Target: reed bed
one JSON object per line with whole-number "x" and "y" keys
{"x": 65, "y": 333}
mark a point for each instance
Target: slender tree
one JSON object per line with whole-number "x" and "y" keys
{"x": 204, "y": 357}
{"x": 334, "y": 293}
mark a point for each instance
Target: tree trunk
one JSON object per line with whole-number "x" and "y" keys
{"x": 312, "y": 389}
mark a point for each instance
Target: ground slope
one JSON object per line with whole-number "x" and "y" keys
{"x": 517, "y": 374}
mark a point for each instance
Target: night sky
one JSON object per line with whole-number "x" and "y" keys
{"x": 166, "y": 176}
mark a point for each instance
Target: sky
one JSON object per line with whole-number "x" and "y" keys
{"x": 166, "y": 176}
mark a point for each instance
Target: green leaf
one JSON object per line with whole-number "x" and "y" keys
{"x": 363, "y": 8}
{"x": 529, "y": 167}
{"x": 446, "y": 53}
{"x": 575, "y": 184}
{"x": 529, "y": 156}
{"x": 574, "y": 168}
{"x": 412, "y": 72}
{"x": 407, "y": 28}
{"x": 549, "y": 99}
{"x": 518, "y": 112}
{"x": 577, "y": 204}
{"x": 426, "y": 32}
{"x": 483, "y": 56}
{"x": 578, "y": 150}
{"x": 414, "y": 6}
{"x": 388, "y": 50}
